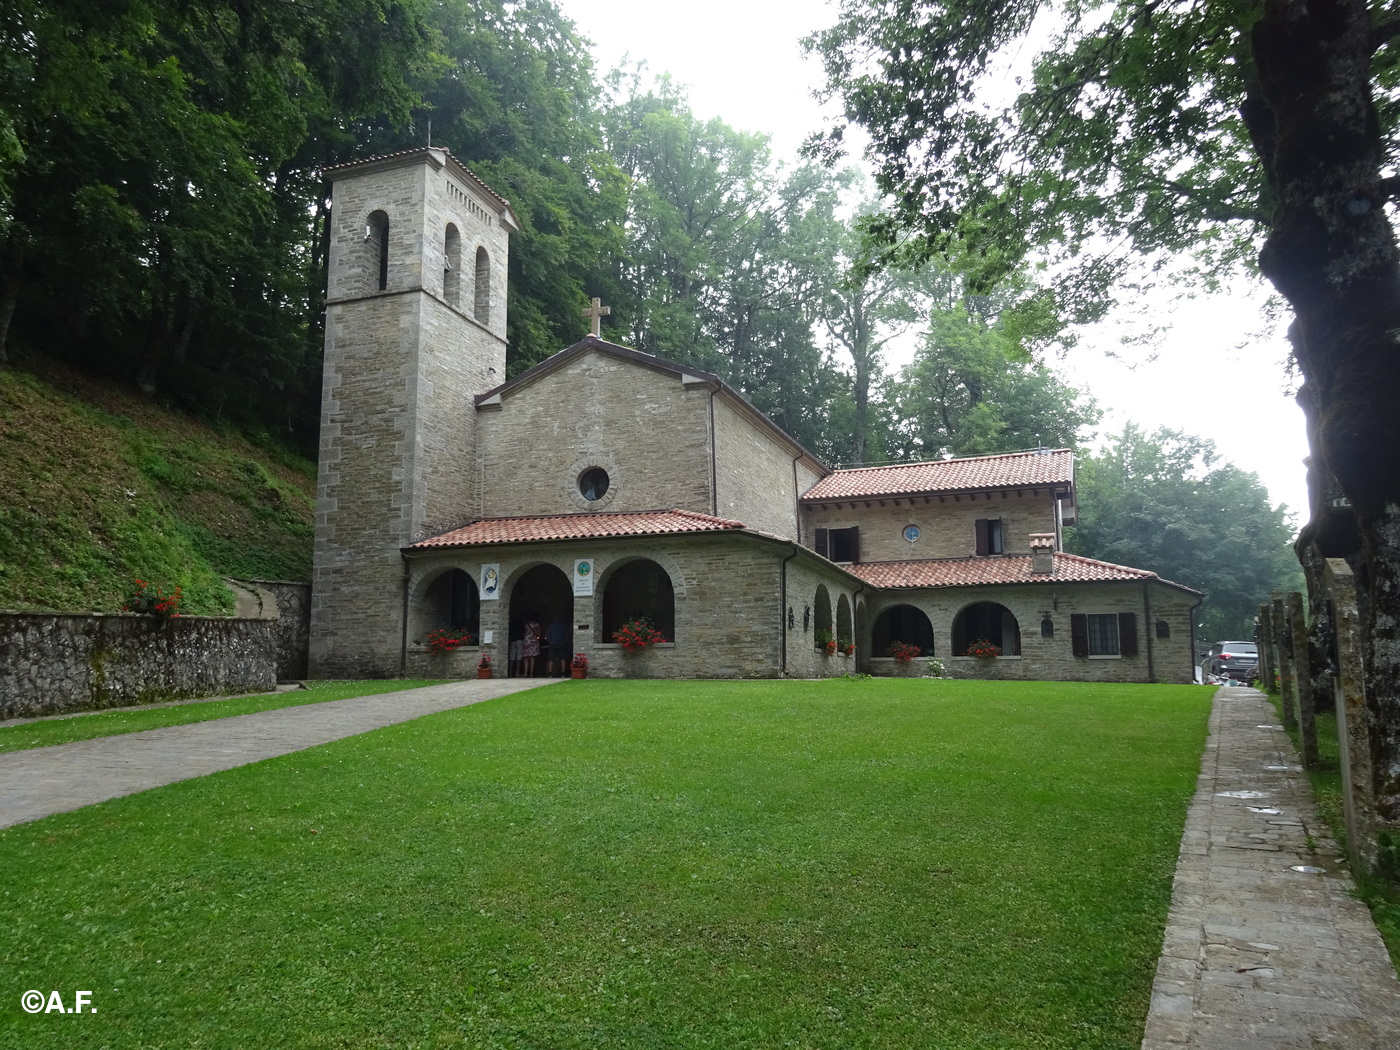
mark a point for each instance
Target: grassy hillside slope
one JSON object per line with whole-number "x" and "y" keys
{"x": 100, "y": 486}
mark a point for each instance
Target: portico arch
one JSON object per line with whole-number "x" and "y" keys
{"x": 639, "y": 588}
{"x": 540, "y": 593}
{"x": 902, "y": 623}
{"x": 990, "y": 621}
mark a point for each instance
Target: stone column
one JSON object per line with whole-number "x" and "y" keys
{"x": 1353, "y": 733}
{"x": 1302, "y": 692}
{"x": 1268, "y": 659}
{"x": 1283, "y": 645}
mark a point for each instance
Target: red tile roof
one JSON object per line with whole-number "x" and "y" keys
{"x": 1015, "y": 568}
{"x": 584, "y": 525}
{"x": 1011, "y": 470}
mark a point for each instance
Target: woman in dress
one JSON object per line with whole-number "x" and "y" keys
{"x": 530, "y": 645}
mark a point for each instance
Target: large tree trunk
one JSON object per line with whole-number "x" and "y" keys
{"x": 1332, "y": 254}
{"x": 9, "y": 290}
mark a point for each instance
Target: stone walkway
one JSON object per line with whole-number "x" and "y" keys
{"x": 1258, "y": 956}
{"x": 57, "y": 779}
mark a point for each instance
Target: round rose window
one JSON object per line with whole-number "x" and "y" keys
{"x": 593, "y": 483}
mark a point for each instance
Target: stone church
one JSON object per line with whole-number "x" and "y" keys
{"x": 606, "y": 484}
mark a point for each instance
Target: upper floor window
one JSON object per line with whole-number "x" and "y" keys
{"x": 989, "y": 536}
{"x": 839, "y": 544}
{"x": 377, "y": 241}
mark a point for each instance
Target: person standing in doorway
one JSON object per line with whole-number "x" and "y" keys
{"x": 556, "y": 637}
{"x": 530, "y": 645}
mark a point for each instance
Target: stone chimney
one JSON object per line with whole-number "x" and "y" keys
{"x": 1042, "y": 553}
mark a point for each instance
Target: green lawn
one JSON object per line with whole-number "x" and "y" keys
{"x": 638, "y": 864}
{"x": 51, "y": 731}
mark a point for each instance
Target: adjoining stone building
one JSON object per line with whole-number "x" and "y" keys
{"x": 605, "y": 484}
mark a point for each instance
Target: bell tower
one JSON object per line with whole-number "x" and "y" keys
{"x": 415, "y": 329}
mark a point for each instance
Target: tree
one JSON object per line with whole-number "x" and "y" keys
{"x": 1224, "y": 129}
{"x": 974, "y": 387}
{"x": 1165, "y": 501}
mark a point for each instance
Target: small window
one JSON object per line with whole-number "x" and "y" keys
{"x": 1164, "y": 629}
{"x": 1103, "y": 634}
{"x": 593, "y": 483}
{"x": 377, "y": 238}
{"x": 1047, "y": 627}
{"x": 989, "y": 536}
{"x": 839, "y": 544}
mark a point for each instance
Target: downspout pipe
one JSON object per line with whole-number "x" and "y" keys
{"x": 714, "y": 458}
{"x": 796, "y": 498}
{"x": 403, "y": 639}
{"x": 1148, "y": 630}
{"x": 782, "y": 611}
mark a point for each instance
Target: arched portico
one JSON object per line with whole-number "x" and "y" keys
{"x": 989, "y": 621}
{"x": 540, "y": 594}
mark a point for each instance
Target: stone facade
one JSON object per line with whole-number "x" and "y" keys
{"x": 1163, "y": 628}
{"x": 730, "y": 620}
{"x": 54, "y": 664}
{"x": 946, "y": 523}
{"x": 597, "y": 411}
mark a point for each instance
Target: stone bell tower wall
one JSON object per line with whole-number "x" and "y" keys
{"x": 415, "y": 329}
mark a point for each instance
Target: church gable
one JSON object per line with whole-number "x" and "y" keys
{"x": 592, "y": 430}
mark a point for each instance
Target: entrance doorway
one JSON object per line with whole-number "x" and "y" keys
{"x": 542, "y": 595}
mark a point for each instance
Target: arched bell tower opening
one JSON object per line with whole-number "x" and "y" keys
{"x": 400, "y": 364}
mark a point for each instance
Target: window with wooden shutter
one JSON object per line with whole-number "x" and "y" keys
{"x": 1127, "y": 634}
{"x": 980, "y": 527}
{"x": 822, "y": 546}
{"x": 1079, "y": 634}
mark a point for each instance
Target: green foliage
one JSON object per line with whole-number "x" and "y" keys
{"x": 739, "y": 864}
{"x": 974, "y": 387}
{"x": 1165, "y": 502}
{"x": 103, "y": 489}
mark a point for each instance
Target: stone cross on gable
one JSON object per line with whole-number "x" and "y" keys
{"x": 596, "y": 313}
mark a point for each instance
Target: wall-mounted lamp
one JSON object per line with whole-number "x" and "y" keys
{"x": 806, "y": 619}
{"x": 792, "y": 621}
{"x": 369, "y": 232}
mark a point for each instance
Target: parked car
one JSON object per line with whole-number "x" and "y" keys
{"x": 1238, "y": 661}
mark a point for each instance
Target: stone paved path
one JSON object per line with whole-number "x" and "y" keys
{"x": 57, "y": 779}
{"x": 1256, "y": 956}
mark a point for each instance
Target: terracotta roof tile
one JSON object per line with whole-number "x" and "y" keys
{"x": 1047, "y": 467}
{"x": 584, "y": 525}
{"x": 972, "y": 572}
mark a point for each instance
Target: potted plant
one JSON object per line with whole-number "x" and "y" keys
{"x": 443, "y": 641}
{"x": 983, "y": 650}
{"x": 636, "y": 635}
{"x": 152, "y": 601}
{"x": 846, "y": 646}
{"x": 483, "y": 666}
{"x": 825, "y": 641}
{"x": 904, "y": 651}
{"x": 579, "y": 668}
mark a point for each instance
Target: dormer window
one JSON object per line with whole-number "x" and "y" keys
{"x": 989, "y": 536}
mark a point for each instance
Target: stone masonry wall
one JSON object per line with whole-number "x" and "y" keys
{"x": 1052, "y": 659}
{"x": 755, "y": 478}
{"x": 650, "y": 433}
{"x": 945, "y": 524}
{"x": 53, "y": 664}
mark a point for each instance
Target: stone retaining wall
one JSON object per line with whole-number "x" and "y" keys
{"x": 55, "y": 663}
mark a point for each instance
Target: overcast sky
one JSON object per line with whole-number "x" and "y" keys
{"x": 1213, "y": 374}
